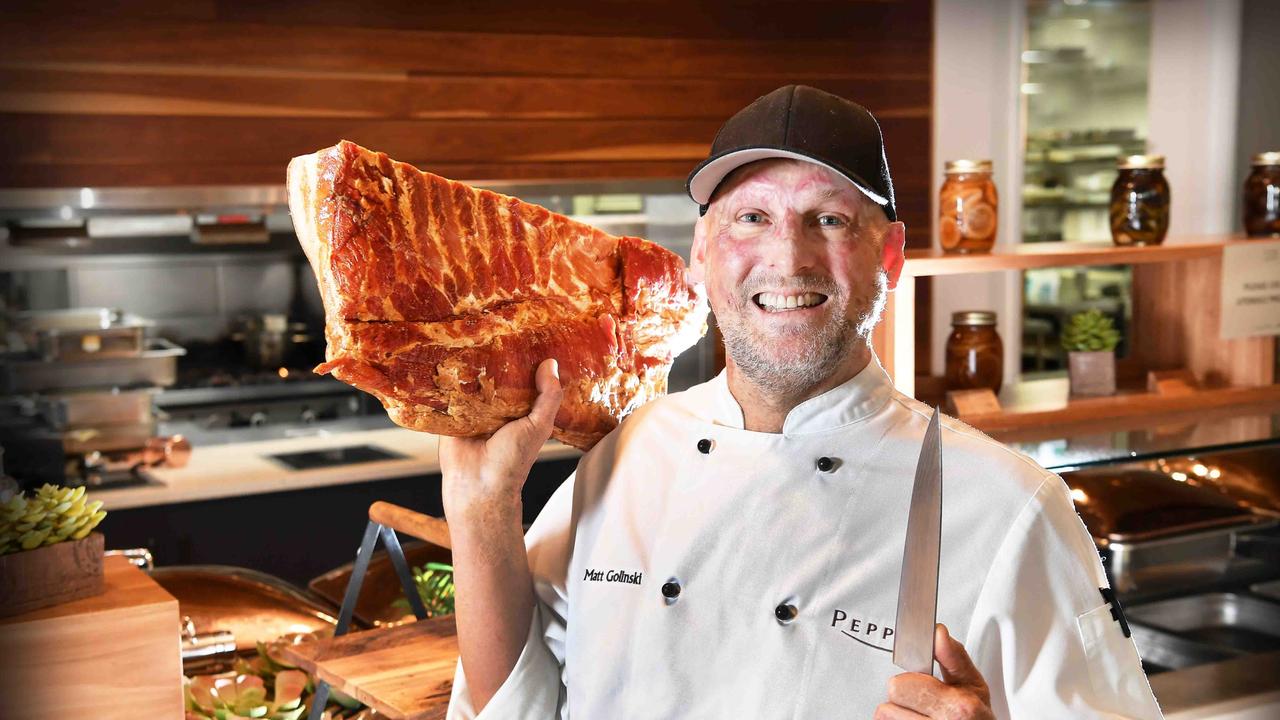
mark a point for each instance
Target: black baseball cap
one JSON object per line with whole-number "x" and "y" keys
{"x": 802, "y": 123}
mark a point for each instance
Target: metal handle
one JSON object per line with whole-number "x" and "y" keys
{"x": 402, "y": 519}
{"x": 206, "y": 652}
{"x": 138, "y": 557}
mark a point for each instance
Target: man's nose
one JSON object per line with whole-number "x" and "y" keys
{"x": 791, "y": 249}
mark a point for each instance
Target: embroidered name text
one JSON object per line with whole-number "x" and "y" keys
{"x": 613, "y": 576}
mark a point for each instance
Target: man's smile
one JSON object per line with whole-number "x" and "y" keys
{"x": 774, "y": 302}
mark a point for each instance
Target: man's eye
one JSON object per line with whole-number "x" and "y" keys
{"x": 751, "y": 217}
{"x": 831, "y": 220}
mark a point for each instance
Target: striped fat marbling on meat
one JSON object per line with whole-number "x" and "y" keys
{"x": 441, "y": 299}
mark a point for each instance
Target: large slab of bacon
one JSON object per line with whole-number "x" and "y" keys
{"x": 441, "y": 299}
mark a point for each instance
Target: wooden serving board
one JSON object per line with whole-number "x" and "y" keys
{"x": 403, "y": 672}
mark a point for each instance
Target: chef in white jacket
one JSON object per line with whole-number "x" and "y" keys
{"x": 733, "y": 551}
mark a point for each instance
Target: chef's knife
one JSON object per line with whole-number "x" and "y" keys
{"x": 918, "y": 586}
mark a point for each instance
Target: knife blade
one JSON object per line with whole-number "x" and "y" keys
{"x": 918, "y": 585}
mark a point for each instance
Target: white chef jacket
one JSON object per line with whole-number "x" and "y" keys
{"x": 753, "y": 523}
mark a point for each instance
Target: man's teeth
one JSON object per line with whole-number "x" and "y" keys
{"x": 778, "y": 301}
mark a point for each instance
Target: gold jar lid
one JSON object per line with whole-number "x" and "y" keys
{"x": 1271, "y": 157}
{"x": 1142, "y": 162}
{"x": 973, "y": 317}
{"x": 955, "y": 167}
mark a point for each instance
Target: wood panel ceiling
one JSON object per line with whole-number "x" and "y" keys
{"x": 219, "y": 92}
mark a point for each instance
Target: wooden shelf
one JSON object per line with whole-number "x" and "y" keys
{"x": 1132, "y": 405}
{"x": 1176, "y": 315}
{"x": 1027, "y": 256}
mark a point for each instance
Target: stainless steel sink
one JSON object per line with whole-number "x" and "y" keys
{"x": 1194, "y": 630}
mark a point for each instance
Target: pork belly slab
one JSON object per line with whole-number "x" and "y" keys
{"x": 441, "y": 299}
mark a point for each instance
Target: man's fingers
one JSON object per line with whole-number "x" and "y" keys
{"x": 916, "y": 691}
{"x": 889, "y": 711}
{"x": 547, "y": 403}
{"x": 957, "y": 668}
{"x": 933, "y": 698}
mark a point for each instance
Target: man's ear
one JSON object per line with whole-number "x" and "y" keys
{"x": 893, "y": 254}
{"x": 698, "y": 253}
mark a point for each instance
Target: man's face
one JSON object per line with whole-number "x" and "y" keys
{"x": 796, "y": 270}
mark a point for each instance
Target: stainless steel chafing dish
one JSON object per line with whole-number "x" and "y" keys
{"x": 155, "y": 365}
{"x": 1159, "y": 534}
{"x": 83, "y": 333}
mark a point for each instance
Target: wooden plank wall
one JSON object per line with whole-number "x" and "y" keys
{"x": 155, "y": 92}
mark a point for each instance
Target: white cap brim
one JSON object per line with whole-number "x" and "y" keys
{"x": 709, "y": 176}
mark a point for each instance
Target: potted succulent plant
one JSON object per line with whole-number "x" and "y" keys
{"x": 48, "y": 551}
{"x": 1090, "y": 339}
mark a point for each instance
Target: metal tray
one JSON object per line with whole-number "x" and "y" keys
{"x": 71, "y": 345}
{"x": 97, "y": 408}
{"x": 1226, "y": 621}
{"x": 84, "y": 333}
{"x": 253, "y": 606}
{"x": 107, "y": 438}
{"x": 156, "y": 366}
{"x": 82, "y": 318}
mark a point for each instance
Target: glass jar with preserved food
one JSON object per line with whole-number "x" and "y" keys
{"x": 968, "y": 208}
{"x": 1262, "y": 196}
{"x": 975, "y": 355}
{"x": 1140, "y": 202}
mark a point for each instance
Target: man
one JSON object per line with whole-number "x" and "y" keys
{"x": 733, "y": 551}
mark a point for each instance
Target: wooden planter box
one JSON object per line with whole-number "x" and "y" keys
{"x": 1092, "y": 373}
{"x": 45, "y": 576}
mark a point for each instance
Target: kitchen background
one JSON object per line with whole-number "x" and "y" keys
{"x": 141, "y": 168}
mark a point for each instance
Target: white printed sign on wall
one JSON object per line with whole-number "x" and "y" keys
{"x": 1250, "y": 289}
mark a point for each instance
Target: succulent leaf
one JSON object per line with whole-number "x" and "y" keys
{"x": 290, "y": 685}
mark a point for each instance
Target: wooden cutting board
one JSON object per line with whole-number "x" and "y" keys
{"x": 404, "y": 672}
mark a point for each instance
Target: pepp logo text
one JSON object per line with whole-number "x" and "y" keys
{"x": 868, "y": 632}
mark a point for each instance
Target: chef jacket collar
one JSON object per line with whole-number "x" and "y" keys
{"x": 856, "y": 398}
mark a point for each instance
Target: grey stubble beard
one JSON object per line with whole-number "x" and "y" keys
{"x": 820, "y": 354}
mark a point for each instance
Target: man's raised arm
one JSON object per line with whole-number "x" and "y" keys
{"x": 482, "y": 480}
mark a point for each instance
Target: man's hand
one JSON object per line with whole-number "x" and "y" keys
{"x": 961, "y": 695}
{"x": 479, "y": 473}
